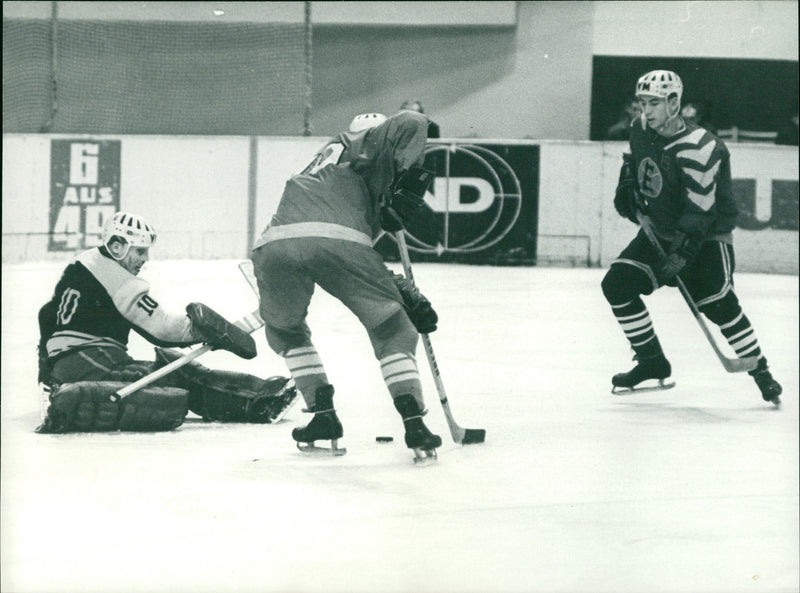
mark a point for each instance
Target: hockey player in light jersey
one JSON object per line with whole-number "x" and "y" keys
{"x": 679, "y": 175}
{"x": 363, "y": 180}
{"x": 83, "y": 357}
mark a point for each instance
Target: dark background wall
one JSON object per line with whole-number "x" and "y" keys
{"x": 754, "y": 94}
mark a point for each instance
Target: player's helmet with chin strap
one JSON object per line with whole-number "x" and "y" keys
{"x": 365, "y": 121}
{"x": 660, "y": 83}
{"x": 130, "y": 228}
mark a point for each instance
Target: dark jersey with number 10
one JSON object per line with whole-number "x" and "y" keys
{"x": 97, "y": 302}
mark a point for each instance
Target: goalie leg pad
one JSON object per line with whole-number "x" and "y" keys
{"x": 214, "y": 329}
{"x": 154, "y": 409}
{"x": 228, "y": 396}
{"x": 184, "y": 377}
{"x": 86, "y": 406}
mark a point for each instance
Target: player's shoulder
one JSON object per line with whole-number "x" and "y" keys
{"x": 408, "y": 119}
{"x": 109, "y": 274}
{"x": 697, "y": 143}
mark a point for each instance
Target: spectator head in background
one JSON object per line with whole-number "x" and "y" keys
{"x": 412, "y": 105}
{"x": 620, "y": 130}
{"x": 788, "y": 130}
{"x": 698, "y": 112}
{"x": 415, "y": 105}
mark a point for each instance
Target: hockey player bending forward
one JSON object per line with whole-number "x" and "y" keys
{"x": 679, "y": 175}
{"x": 83, "y": 356}
{"x": 365, "y": 179}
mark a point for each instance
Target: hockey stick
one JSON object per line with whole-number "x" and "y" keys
{"x": 732, "y": 365}
{"x": 462, "y": 436}
{"x": 249, "y": 323}
{"x": 246, "y": 268}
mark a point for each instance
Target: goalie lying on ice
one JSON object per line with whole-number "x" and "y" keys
{"x": 83, "y": 356}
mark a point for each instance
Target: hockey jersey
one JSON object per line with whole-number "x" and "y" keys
{"x": 97, "y": 302}
{"x": 686, "y": 181}
{"x": 338, "y": 194}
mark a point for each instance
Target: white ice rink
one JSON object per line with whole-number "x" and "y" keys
{"x": 575, "y": 490}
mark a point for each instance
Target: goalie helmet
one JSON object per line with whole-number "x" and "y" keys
{"x": 365, "y": 121}
{"x": 660, "y": 83}
{"x": 131, "y": 228}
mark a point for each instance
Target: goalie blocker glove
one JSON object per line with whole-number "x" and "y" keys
{"x": 406, "y": 197}
{"x": 217, "y": 331}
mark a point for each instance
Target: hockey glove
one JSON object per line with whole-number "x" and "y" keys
{"x": 406, "y": 197}
{"x": 214, "y": 329}
{"x": 418, "y": 308}
{"x": 390, "y": 220}
{"x": 682, "y": 250}
{"x": 625, "y": 198}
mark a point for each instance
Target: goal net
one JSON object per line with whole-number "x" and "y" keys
{"x": 156, "y": 77}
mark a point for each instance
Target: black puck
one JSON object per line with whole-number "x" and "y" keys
{"x": 384, "y": 439}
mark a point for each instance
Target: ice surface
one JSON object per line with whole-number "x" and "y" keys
{"x": 575, "y": 490}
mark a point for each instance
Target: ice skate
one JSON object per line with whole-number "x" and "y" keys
{"x": 770, "y": 388}
{"x": 656, "y": 367}
{"x": 324, "y": 425}
{"x": 418, "y": 438}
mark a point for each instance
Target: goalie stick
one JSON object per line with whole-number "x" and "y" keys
{"x": 732, "y": 365}
{"x": 249, "y": 323}
{"x": 462, "y": 436}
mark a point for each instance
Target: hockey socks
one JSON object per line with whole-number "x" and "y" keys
{"x": 401, "y": 375}
{"x": 306, "y": 369}
{"x": 741, "y": 336}
{"x": 635, "y": 322}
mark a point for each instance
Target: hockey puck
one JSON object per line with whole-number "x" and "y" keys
{"x": 384, "y": 439}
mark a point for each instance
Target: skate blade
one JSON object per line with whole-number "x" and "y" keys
{"x": 312, "y": 450}
{"x": 424, "y": 456}
{"x": 660, "y": 386}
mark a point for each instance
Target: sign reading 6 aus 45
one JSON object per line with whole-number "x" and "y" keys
{"x": 84, "y": 191}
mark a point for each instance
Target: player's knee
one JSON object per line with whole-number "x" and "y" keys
{"x": 281, "y": 340}
{"x": 722, "y": 310}
{"x": 623, "y": 282}
{"x": 396, "y": 334}
{"x": 614, "y": 287}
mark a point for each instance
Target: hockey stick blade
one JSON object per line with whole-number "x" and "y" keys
{"x": 473, "y": 436}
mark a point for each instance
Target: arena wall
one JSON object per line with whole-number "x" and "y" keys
{"x": 209, "y": 197}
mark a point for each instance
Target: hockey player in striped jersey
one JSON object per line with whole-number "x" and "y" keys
{"x": 83, "y": 355}
{"x": 363, "y": 181}
{"x": 679, "y": 175}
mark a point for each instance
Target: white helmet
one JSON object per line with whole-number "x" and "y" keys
{"x": 660, "y": 83}
{"x": 365, "y": 121}
{"x": 131, "y": 228}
